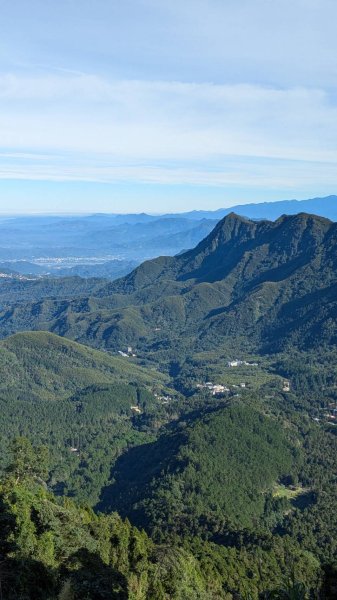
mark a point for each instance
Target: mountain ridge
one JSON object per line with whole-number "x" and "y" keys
{"x": 322, "y": 206}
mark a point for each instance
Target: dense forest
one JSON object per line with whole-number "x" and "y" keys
{"x": 56, "y": 549}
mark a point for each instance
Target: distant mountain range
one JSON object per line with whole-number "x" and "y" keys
{"x": 324, "y": 207}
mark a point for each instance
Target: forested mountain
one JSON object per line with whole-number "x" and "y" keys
{"x": 272, "y": 282}
{"x": 85, "y": 405}
{"x": 219, "y": 468}
{"x": 54, "y": 549}
{"x": 15, "y": 288}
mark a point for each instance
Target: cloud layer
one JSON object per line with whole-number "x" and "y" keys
{"x": 92, "y": 128}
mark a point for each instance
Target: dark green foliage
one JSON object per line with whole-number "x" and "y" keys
{"x": 216, "y": 470}
{"x": 36, "y": 289}
{"x": 56, "y": 550}
{"x": 28, "y": 462}
{"x": 40, "y": 365}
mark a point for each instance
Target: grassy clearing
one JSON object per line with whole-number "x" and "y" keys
{"x": 281, "y": 491}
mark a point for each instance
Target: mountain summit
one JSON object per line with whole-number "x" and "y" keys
{"x": 234, "y": 241}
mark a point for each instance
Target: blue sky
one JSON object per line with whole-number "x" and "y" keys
{"x": 164, "y": 106}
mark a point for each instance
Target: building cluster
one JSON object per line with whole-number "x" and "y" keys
{"x": 128, "y": 353}
{"x": 330, "y": 414}
{"x": 286, "y": 386}
{"x": 162, "y": 399}
{"x": 241, "y": 363}
{"x": 217, "y": 389}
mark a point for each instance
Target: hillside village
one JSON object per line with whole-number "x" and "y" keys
{"x": 218, "y": 389}
{"x": 241, "y": 363}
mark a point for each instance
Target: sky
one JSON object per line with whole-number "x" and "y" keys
{"x": 157, "y": 106}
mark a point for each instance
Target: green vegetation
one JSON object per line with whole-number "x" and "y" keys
{"x": 220, "y": 468}
{"x": 236, "y": 490}
{"x": 36, "y": 289}
{"x": 55, "y": 549}
{"x": 282, "y": 491}
{"x": 40, "y": 365}
{"x": 77, "y": 401}
{"x": 256, "y": 287}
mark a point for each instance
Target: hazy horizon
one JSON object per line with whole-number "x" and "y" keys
{"x": 151, "y": 213}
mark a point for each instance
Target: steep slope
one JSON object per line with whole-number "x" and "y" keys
{"x": 237, "y": 243}
{"x": 52, "y": 549}
{"x": 41, "y": 365}
{"x": 61, "y": 550}
{"x": 261, "y": 278}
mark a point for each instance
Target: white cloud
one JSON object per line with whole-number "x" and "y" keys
{"x": 229, "y": 172}
{"x": 139, "y": 121}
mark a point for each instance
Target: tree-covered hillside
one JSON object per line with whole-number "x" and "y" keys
{"x": 15, "y": 289}
{"x": 85, "y": 405}
{"x": 220, "y": 468}
{"x": 52, "y": 550}
{"x": 41, "y": 365}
